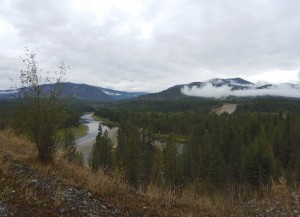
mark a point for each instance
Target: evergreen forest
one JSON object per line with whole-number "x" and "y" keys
{"x": 176, "y": 149}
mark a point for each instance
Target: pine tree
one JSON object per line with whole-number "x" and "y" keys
{"x": 132, "y": 161}
{"x": 100, "y": 131}
{"x": 259, "y": 161}
{"x": 148, "y": 154}
{"x": 235, "y": 166}
{"x": 101, "y": 155}
{"x": 192, "y": 153}
{"x": 216, "y": 167}
{"x": 173, "y": 164}
{"x": 120, "y": 150}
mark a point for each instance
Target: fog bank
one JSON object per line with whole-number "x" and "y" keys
{"x": 210, "y": 91}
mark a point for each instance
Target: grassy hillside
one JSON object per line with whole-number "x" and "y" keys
{"x": 24, "y": 183}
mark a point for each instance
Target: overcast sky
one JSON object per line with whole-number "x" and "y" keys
{"x": 149, "y": 45}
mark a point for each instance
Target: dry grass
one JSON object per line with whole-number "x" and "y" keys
{"x": 24, "y": 151}
{"x": 100, "y": 182}
{"x": 58, "y": 198}
{"x": 152, "y": 200}
{"x": 188, "y": 202}
{"x": 18, "y": 147}
{"x": 112, "y": 186}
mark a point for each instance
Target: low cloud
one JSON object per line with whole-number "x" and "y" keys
{"x": 210, "y": 91}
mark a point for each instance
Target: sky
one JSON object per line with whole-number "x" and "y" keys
{"x": 150, "y": 45}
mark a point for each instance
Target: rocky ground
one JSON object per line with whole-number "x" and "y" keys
{"x": 23, "y": 193}
{"x": 282, "y": 204}
{"x": 273, "y": 209}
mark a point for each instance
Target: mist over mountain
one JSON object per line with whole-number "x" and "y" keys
{"x": 222, "y": 88}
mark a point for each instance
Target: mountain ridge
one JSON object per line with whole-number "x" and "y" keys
{"x": 175, "y": 91}
{"x": 232, "y": 86}
{"x": 82, "y": 92}
{"x": 95, "y": 93}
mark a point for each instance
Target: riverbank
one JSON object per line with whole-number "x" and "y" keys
{"x": 105, "y": 121}
{"x": 80, "y": 131}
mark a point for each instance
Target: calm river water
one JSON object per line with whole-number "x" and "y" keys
{"x": 92, "y": 124}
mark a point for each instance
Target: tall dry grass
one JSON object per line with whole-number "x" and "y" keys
{"x": 17, "y": 146}
{"x": 25, "y": 151}
{"x": 189, "y": 201}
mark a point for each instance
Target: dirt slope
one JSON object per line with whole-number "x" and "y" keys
{"x": 225, "y": 108}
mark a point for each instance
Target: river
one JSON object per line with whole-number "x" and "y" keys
{"x": 85, "y": 143}
{"x": 93, "y": 125}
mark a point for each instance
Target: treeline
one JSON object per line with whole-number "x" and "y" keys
{"x": 248, "y": 148}
{"x": 167, "y": 105}
{"x": 204, "y": 105}
{"x": 8, "y": 110}
{"x": 268, "y": 104}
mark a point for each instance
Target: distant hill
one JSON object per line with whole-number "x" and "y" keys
{"x": 83, "y": 92}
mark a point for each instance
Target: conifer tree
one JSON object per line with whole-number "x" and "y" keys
{"x": 132, "y": 161}
{"x": 148, "y": 154}
{"x": 259, "y": 161}
{"x": 101, "y": 155}
{"x": 235, "y": 166}
{"x": 192, "y": 153}
{"x": 173, "y": 164}
{"x": 216, "y": 167}
{"x": 120, "y": 150}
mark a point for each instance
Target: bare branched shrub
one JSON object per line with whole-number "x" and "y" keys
{"x": 42, "y": 107}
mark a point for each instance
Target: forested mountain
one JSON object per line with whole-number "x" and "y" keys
{"x": 83, "y": 92}
{"x": 205, "y": 95}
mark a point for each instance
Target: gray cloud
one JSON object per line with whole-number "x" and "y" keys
{"x": 151, "y": 45}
